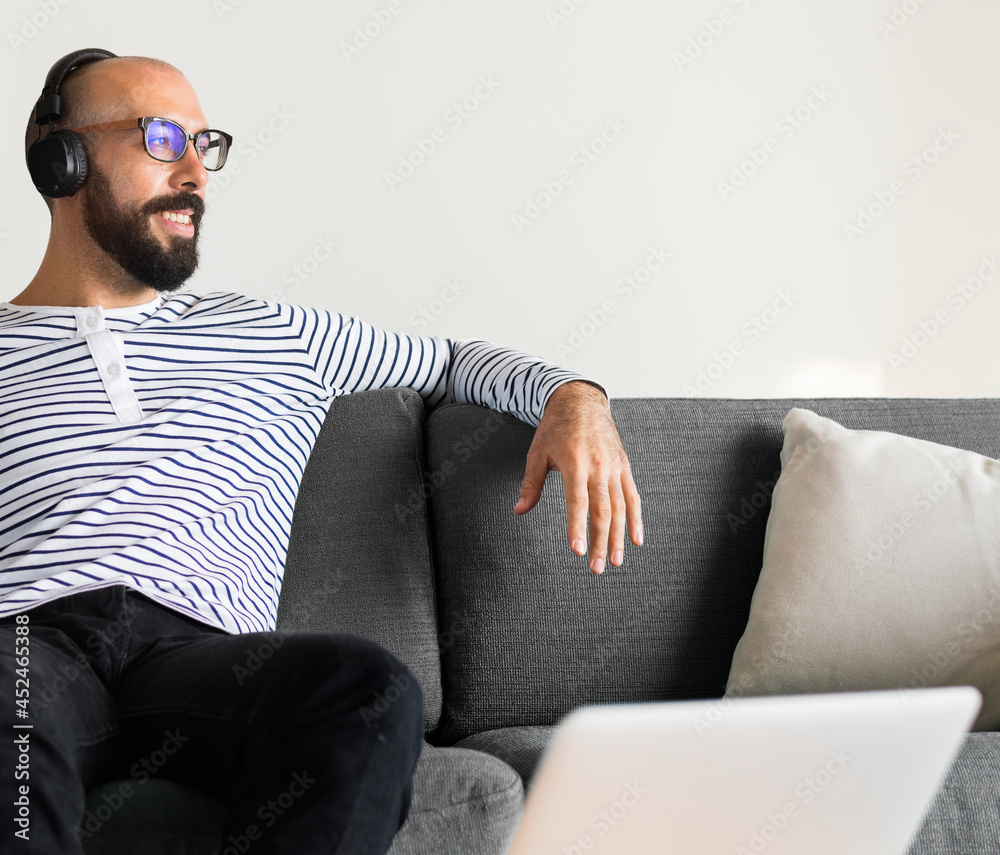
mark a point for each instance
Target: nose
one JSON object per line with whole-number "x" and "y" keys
{"x": 189, "y": 174}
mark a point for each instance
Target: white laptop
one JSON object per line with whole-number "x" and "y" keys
{"x": 805, "y": 774}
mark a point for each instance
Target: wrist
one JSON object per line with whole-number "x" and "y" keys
{"x": 580, "y": 390}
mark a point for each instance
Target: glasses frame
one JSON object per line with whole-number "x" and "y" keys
{"x": 142, "y": 124}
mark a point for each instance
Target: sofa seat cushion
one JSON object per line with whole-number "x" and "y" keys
{"x": 963, "y": 819}
{"x": 463, "y": 802}
{"x": 965, "y": 816}
{"x": 521, "y": 748}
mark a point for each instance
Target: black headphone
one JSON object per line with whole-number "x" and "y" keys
{"x": 58, "y": 163}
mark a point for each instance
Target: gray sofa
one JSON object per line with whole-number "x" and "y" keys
{"x": 404, "y": 533}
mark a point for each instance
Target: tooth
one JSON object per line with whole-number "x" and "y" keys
{"x": 184, "y": 219}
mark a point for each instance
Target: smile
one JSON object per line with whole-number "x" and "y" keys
{"x": 175, "y": 217}
{"x": 178, "y": 222}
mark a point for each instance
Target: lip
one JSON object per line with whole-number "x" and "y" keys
{"x": 186, "y": 229}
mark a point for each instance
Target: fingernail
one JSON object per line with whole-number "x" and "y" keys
{"x": 579, "y": 547}
{"x": 616, "y": 559}
{"x": 638, "y": 535}
{"x": 598, "y": 565}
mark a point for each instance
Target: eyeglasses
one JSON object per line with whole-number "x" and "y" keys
{"x": 167, "y": 141}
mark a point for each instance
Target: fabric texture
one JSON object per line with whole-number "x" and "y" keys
{"x": 161, "y": 446}
{"x": 150, "y": 824}
{"x": 539, "y": 635}
{"x": 464, "y": 803}
{"x": 521, "y": 748}
{"x": 359, "y": 556}
{"x": 285, "y": 728}
{"x": 881, "y": 568}
{"x": 964, "y": 818}
{"x": 706, "y": 469}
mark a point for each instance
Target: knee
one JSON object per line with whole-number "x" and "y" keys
{"x": 348, "y": 671}
{"x": 389, "y": 696}
{"x": 394, "y": 705}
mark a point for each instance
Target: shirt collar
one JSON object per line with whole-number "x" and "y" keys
{"x": 143, "y": 308}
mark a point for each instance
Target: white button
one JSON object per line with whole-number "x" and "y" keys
{"x": 92, "y": 320}
{"x": 114, "y": 369}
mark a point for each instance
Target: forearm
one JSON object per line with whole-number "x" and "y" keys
{"x": 506, "y": 380}
{"x": 356, "y": 356}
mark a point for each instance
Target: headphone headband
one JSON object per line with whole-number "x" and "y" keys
{"x": 49, "y": 106}
{"x": 58, "y": 163}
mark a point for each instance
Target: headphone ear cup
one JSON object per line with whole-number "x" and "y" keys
{"x": 58, "y": 164}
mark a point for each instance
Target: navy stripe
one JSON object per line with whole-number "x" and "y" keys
{"x": 192, "y": 503}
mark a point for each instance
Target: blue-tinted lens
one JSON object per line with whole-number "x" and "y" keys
{"x": 165, "y": 140}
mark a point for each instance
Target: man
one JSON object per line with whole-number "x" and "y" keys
{"x": 152, "y": 446}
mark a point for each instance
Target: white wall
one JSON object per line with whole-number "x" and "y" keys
{"x": 677, "y": 129}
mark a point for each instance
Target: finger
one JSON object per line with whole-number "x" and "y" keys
{"x": 575, "y": 485}
{"x": 600, "y": 524}
{"x": 616, "y": 534}
{"x": 535, "y": 470}
{"x": 633, "y": 506}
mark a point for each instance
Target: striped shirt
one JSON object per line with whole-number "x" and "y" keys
{"x": 161, "y": 446}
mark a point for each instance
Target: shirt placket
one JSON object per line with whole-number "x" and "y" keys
{"x": 108, "y": 351}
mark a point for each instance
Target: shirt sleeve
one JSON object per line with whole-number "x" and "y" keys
{"x": 355, "y": 356}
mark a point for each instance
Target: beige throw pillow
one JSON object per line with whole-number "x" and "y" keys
{"x": 881, "y": 569}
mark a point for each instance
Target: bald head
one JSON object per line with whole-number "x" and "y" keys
{"x": 99, "y": 90}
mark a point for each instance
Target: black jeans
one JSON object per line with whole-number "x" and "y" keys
{"x": 309, "y": 739}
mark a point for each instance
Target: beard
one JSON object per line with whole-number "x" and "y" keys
{"x": 125, "y": 234}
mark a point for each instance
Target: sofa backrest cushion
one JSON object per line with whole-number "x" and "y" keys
{"x": 530, "y": 633}
{"x": 359, "y": 556}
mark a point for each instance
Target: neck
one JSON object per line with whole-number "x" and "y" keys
{"x": 76, "y": 272}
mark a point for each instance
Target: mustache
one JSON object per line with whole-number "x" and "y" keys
{"x": 177, "y": 202}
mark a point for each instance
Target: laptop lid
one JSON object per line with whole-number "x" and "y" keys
{"x": 847, "y": 772}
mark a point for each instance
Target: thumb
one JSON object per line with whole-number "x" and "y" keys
{"x": 531, "y": 486}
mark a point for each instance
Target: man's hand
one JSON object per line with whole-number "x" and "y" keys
{"x": 578, "y": 438}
